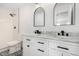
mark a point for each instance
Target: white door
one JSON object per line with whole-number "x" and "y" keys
{"x": 7, "y": 23}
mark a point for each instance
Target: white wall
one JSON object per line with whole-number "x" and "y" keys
{"x": 26, "y": 20}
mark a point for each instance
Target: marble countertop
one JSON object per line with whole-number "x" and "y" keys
{"x": 58, "y": 38}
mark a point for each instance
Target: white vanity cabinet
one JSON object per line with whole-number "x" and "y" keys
{"x": 35, "y": 46}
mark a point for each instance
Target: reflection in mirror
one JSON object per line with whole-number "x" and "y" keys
{"x": 64, "y": 13}
{"x": 39, "y": 17}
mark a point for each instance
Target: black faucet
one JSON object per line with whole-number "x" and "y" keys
{"x": 37, "y": 32}
{"x": 62, "y": 32}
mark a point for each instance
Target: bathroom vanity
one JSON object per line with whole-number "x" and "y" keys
{"x": 41, "y": 45}
{"x": 56, "y": 34}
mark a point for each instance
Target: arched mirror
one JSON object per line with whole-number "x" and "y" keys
{"x": 64, "y": 13}
{"x": 39, "y": 17}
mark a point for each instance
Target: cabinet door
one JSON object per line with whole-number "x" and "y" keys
{"x": 26, "y": 47}
{"x": 27, "y": 50}
{"x": 54, "y": 52}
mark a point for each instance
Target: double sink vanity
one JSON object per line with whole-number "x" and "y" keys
{"x": 51, "y": 44}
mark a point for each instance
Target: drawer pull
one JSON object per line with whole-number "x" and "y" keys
{"x": 62, "y": 48}
{"x": 40, "y": 50}
{"x": 41, "y": 42}
{"x": 28, "y": 39}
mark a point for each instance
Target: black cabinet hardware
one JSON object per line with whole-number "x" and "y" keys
{"x": 62, "y": 48}
{"x": 41, "y": 42}
{"x": 40, "y": 50}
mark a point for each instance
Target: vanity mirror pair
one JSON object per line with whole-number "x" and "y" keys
{"x": 63, "y": 14}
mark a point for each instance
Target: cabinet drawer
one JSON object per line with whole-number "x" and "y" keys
{"x": 63, "y": 46}
{"x": 37, "y": 51}
{"x": 40, "y": 42}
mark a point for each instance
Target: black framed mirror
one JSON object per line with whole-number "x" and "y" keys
{"x": 64, "y": 14}
{"x": 39, "y": 17}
